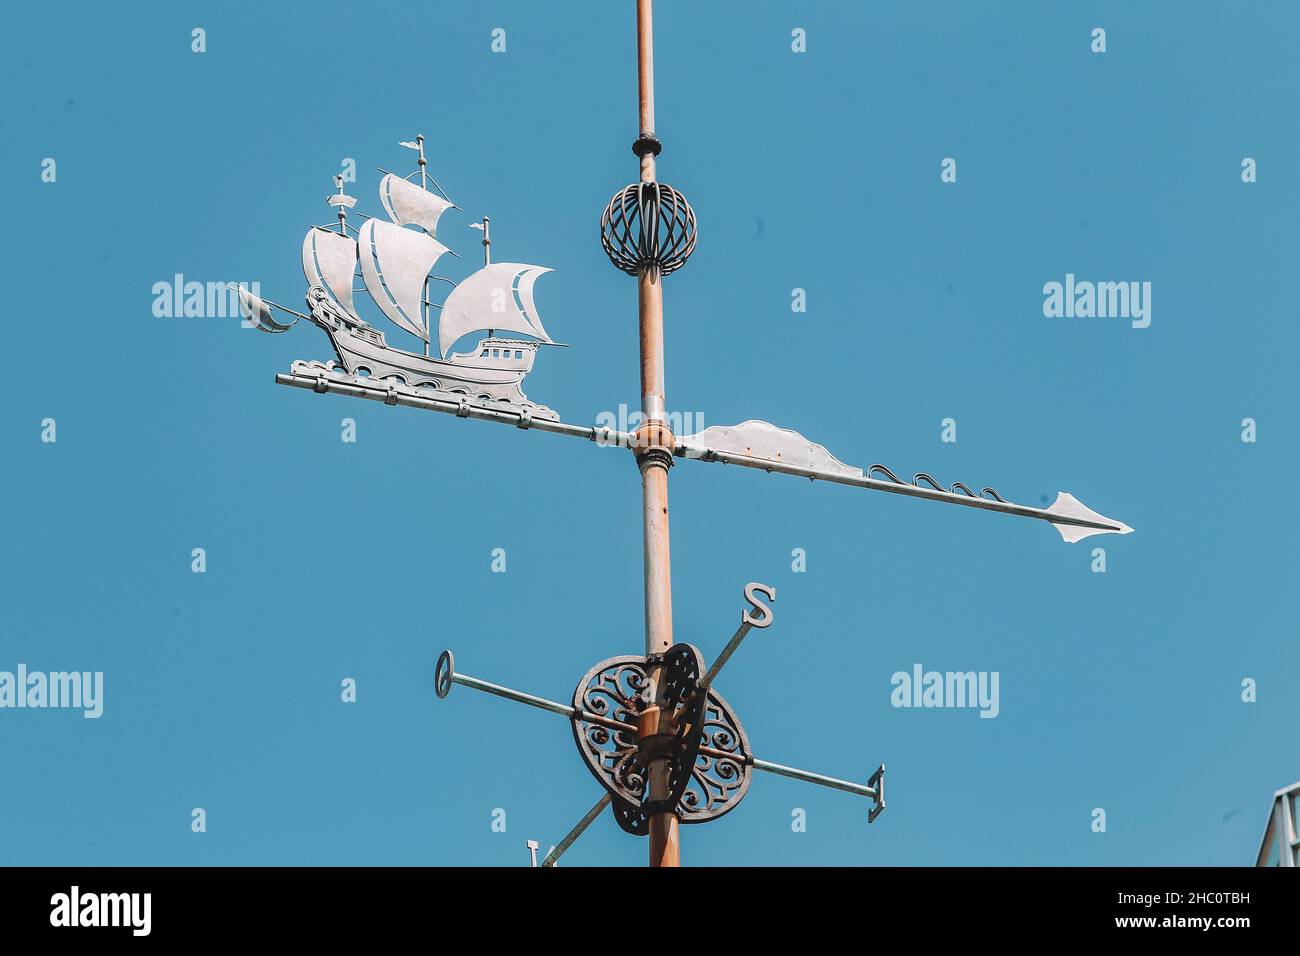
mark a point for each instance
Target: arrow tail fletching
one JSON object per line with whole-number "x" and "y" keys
{"x": 1068, "y": 506}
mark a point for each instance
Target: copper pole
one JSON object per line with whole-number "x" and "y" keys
{"x": 654, "y": 445}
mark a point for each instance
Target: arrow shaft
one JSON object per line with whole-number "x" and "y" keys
{"x": 380, "y": 392}
{"x": 902, "y": 488}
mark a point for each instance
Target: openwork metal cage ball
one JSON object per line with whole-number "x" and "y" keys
{"x": 648, "y": 225}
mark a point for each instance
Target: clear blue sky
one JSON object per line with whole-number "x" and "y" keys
{"x": 819, "y": 171}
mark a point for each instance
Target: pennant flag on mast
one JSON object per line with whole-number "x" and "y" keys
{"x": 257, "y": 311}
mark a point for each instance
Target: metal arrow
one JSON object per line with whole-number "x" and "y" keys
{"x": 752, "y": 444}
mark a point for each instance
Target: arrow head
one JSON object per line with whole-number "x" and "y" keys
{"x": 1069, "y": 506}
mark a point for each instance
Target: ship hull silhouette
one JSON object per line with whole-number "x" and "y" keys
{"x": 493, "y": 371}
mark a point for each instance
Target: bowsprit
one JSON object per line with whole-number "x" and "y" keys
{"x": 662, "y": 744}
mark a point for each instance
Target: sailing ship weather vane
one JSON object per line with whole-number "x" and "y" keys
{"x": 395, "y": 265}
{"x": 663, "y": 744}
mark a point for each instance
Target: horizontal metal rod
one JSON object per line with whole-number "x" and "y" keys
{"x": 910, "y": 490}
{"x": 541, "y": 703}
{"x": 516, "y": 695}
{"x": 380, "y": 392}
{"x": 565, "y": 711}
{"x": 795, "y": 774}
{"x": 557, "y": 851}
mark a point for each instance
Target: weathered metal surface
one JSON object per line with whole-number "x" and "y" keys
{"x": 747, "y": 622}
{"x": 557, "y": 851}
{"x": 693, "y": 741}
{"x": 1280, "y": 845}
{"x": 763, "y": 442}
{"x": 874, "y": 787}
{"x": 648, "y": 226}
{"x": 387, "y": 386}
{"x": 639, "y": 238}
{"x": 707, "y": 758}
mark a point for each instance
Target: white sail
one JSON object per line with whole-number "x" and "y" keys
{"x": 409, "y": 205}
{"x": 329, "y": 260}
{"x": 395, "y": 263}
{"x": 498, "y": 297}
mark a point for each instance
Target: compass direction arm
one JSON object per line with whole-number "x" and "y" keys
{"x": 579, "y": 828}
{"x": 762, "y": 445}
{"x": 445, "y": 676}
{"x": 748, "y": 621}
{"x": 874, "y": 787}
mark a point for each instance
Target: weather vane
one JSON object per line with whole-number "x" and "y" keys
{"x": 663, "y": 744}
{"x": 395, "y": 268}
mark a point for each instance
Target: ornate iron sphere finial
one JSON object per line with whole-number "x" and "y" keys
{"x": 648, "y": 225}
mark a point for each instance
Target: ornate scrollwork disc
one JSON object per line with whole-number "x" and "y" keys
{"x": 710, "y": 759}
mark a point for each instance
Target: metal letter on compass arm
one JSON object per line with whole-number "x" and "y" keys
{"x": 708, "y": 752}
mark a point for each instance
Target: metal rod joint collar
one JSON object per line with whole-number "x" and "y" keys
{"x": 647, "y": 142}
{"x": 653, "y": 443}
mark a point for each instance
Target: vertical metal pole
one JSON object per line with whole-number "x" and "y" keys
{"x": 654, "y": 458}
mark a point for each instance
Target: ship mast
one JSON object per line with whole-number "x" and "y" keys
{"x": 342, "y": 202}
{"x": 487, "y": 254}
{"x": 424, "y": 184}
